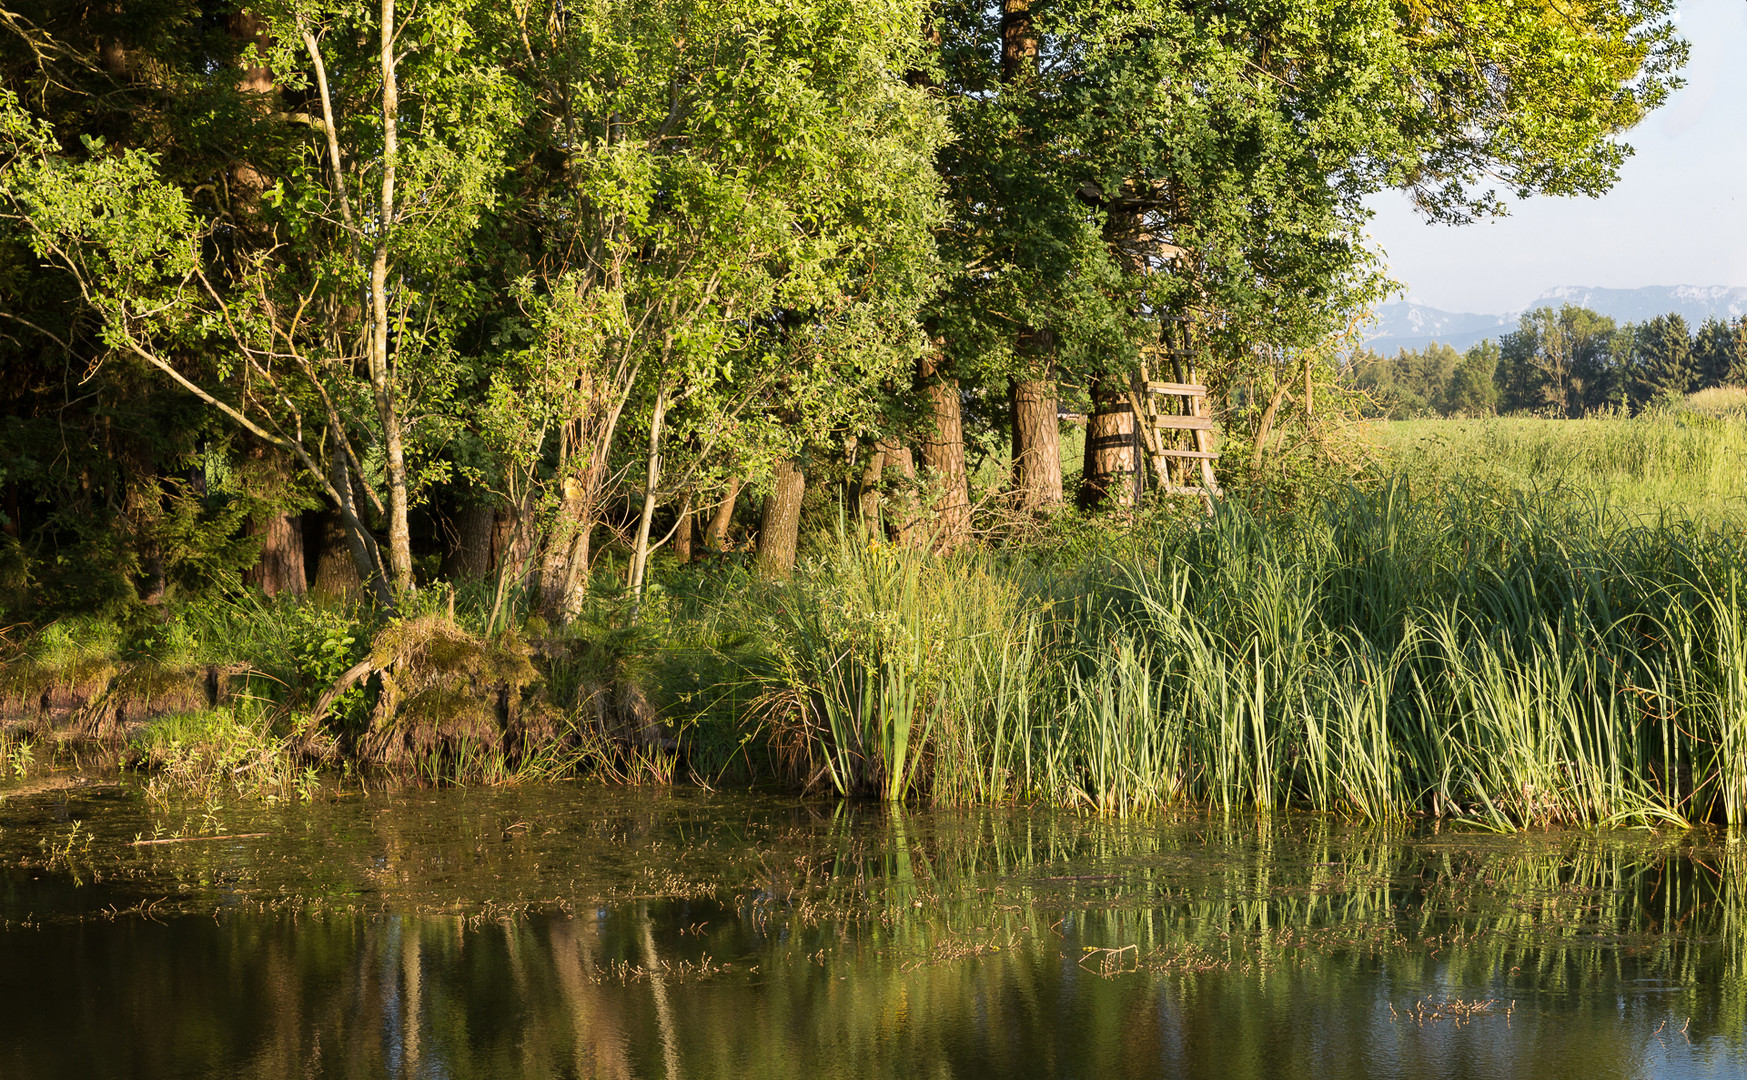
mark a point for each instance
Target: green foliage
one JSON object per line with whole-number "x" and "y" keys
{"x": 1473, "y": 386}
{"x": 1411, "y": 383}
{"x": 1564, "y": 363}
{"x": 1664, "y": 369}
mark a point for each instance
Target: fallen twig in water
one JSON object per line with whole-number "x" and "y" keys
{"x": 191, "y": 839}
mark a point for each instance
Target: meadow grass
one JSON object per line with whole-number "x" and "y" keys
{"x": 1689, "y": 459}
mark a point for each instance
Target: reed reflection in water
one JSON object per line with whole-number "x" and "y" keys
{"x": 969, "y": 945}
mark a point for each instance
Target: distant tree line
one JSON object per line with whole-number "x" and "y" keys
{"x": 1564, "y": 363}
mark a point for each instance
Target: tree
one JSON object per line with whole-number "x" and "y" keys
{"x": 1472, "y": 389}
{"x": 1558, "y": 362}
{"x": 1720, "y": 350}
{"x": 86, "y": 428}
{"x": 730, "y": 211}
{"x": 320, "y": 355}
{"x": 1204, "y": 169}
{"x": 1663, "y": 363}
{"x": 1411, "y": 383}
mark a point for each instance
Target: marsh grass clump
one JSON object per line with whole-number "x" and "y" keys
{"x": 220, "y": 752}
{"x": 1458, "y": 649}
{"x": 865, "y": 643}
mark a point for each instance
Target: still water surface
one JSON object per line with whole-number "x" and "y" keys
{"x": 555, "y": 931}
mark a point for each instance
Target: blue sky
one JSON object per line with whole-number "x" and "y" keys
{"x": 1677, "y": 216}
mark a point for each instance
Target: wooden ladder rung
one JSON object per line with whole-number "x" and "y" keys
{"x": 1177, "y": 389}
{"x": 1200, "y": 454}
{"x": 1184, "y": 423}
{"x": 1177, "y": 489}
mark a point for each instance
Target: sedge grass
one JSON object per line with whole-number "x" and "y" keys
{"x": 1510, "y": 658}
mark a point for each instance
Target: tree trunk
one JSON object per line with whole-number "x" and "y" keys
{"x": 382, "y": 375}
{"x": 867, "y": 490}
{"x": 651, "y": 482}
{"x": 336, "y": 572}
{"x": 779, "y": 527}
{"x": 280, "y": 569}
{"x": 248, "y": 182}
{"x": 1110, "y": 465}
{"x": 471, "y": 543}
{"x": 1037, "y": 446}
{"x": 366, "y": 554}
{"x": 143, "y": 510}
{"x": 943, "y": 456}
{"x": 1018, "y": 41}
{"x": 682, "y": 531}
{"x": 902, "y": 512}
{"x": 716, "y": 536}
{"x": 564, "y": 565}
{"x": 511, "y": 542}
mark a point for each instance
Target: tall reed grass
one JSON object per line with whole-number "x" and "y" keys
{"x": 1510, "y": 658}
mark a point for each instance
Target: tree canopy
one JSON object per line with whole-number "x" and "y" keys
{"x": 515, "y": 285}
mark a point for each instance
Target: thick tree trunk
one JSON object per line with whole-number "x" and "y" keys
{"x": 143, "y": 510}
{"x": 779, "y": 527}
{"x": 564, "y": 566}
{"x": 1018, "y": 41}
{"x": 1037, "y": 446}
{"x": 1109, "y": 472}
{"x": 248, "y": 182}
{"x": 511, "y": 541}
{"x": 943, "y": 456}
{"x": 716, "y": 535}
{"x": 903, "y": 513}
{"x": 471, "y": 543}
{"x": 280, "y": 569}
{"x": 335, "y": 575}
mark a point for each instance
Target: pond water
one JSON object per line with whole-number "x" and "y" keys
{"x": 571, "y": 930}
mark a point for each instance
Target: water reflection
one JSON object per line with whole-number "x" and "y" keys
{"x": 572, "y": 932}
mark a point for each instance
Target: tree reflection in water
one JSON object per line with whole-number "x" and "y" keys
{"x": 638, "y": 935}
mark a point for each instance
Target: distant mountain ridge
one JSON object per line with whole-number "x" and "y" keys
{"x": 1407, "y": 324}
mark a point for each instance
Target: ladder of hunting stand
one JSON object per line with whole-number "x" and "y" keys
{"x": 1164, "y": 412}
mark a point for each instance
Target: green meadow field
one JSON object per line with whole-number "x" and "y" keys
{"x": 1688, "y": 460}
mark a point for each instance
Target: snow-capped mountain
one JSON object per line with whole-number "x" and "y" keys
{"x": 1407, "y": 324}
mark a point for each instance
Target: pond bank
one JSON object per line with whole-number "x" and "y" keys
{"x": 1469, "y": 653}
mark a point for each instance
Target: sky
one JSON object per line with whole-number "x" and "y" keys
{"x": 1677, "y": 216}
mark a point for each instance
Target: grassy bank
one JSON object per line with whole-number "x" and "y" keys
{"x": 1454, "y": 640}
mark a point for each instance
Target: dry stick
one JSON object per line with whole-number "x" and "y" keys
{"x": 345, "y": 682}
{"x": 193, "y": 839}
